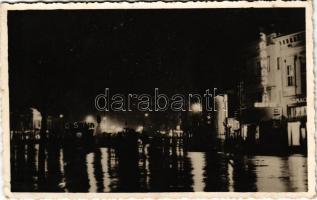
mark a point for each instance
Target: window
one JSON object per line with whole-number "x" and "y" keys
{"x": 291, "y": 39}
{"x": 283, "y": 41}
{"x": 290, "y": 75}
{"x": 268, "y": 63}
{"x": 258, "y": 68}
{"x": 287, "y": 41}
{"x": 278, "y": 63}
{"x": 303, "y": 74}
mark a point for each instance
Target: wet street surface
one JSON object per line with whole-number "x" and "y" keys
{"x": 53, "y": 168}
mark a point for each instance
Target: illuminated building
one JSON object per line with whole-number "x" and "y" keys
{"x": 275, "y": 79}
{"x": 221, "y": 114}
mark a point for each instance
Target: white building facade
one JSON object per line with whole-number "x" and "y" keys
{"x": 275, "y": 70}
{"x": 221, "y": 115}
{"x": 279, "y": 70}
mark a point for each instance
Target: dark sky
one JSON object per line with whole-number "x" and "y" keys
{"x": 65, "y": 58}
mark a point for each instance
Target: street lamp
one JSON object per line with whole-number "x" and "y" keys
{"x": 196, "y": 108}
{"x": 89, "y": 119}
{"x": 139, "y": 129}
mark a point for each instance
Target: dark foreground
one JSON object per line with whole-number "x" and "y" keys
{"x": 55, "y": 168}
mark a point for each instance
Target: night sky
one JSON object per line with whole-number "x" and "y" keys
{"x": 63, "y": 59}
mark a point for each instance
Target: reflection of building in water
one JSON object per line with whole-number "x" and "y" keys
{"x": 112, "y": 166}
{"x": 164, "y": 171}
{"x": 297, "y": 167}
{"x": 128, "y": 169}
{"x": 23, "y": 168}
{"x": 104, "y": 159}
{"x": 280, "y": 174}
{"x": 90, "y": 171}
{"x": 96, "y": 175}
{"x": 275, "y": 82}
{"x": 198, "y": 165}
{"x": 241, "y": 170}
{"x": 216, "y": 172}
{"x": 169, "y": 167}
{"x": 76, "y": 175}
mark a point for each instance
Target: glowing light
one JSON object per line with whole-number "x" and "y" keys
{"x": 170, "y": 133}
{"x": 79, "y": 134}
{"x": 196, "y": 107}
{"x": 178, "y": 131}
{"x": 103, "y": 124}
{"x": 114, "y": 129}
{"x": 178, "y": 127}
{"x": 109, "y": 125}
{"x": 139, "y": 129}
{"x": 118, "y": 129}
{"x": 61, "y": 116}
{"x": 146, "y": 114}
{"x": 89, "y": 119}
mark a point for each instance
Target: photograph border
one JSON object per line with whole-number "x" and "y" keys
{"x": 311, "y": 165}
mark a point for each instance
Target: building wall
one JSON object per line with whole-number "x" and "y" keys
{"x": 276, "y": 72}
{"x": 221, "y": 104}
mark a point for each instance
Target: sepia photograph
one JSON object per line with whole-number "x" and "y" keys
{"x": 178, "y": 100}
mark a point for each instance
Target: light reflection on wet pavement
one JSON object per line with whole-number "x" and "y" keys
{"x": 56, "y": 169}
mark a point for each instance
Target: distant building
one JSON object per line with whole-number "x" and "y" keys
{"x": 27, "y": 123}
{"x": 26, "y": 120}
{"x": 36, "y": 119}
{"x": 233, "y": 127}
{"x": 221, "y": 114}
{"x": 275, "y": 79}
